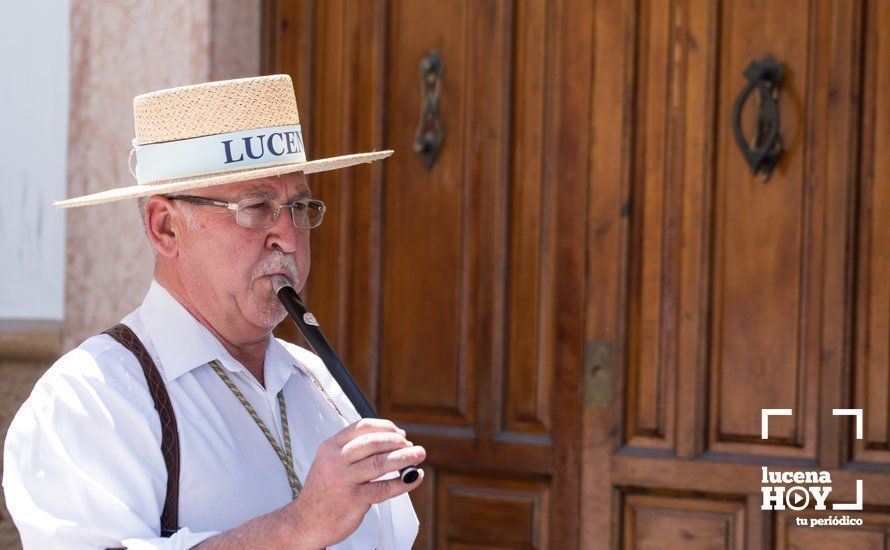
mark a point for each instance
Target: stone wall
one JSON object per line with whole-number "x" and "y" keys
{"x": 118, "y": 50}
{"x": 26, "y": 350}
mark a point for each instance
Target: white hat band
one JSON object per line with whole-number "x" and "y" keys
{"x": 219, "y": 153}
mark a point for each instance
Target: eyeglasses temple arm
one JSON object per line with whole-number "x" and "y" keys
{"x": 203, "y": 200}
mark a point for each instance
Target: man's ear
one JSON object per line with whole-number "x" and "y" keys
{"x": 159, "y": 225}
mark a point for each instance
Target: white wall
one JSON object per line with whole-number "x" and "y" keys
{"x": 34, "y": 90}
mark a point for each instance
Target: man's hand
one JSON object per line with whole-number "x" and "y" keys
{"x": 339, "y": 489}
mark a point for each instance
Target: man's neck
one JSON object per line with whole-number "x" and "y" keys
{"x": 251, "y": 354}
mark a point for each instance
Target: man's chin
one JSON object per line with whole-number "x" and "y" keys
{"x": 264, "y": 308}
{"x": 280, "y": 318}
{"x": 269, "y": 318}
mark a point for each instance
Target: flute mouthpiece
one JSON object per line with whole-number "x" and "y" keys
{"x": 279, "y": 282}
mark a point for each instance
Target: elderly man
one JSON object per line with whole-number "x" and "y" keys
{"x": 189, "y": 423}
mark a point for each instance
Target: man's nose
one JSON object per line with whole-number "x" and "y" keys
{"x": 283, "y": 235}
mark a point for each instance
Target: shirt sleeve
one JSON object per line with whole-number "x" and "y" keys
{"x": 82, "y": 465}
{"x": 398, "y": 523}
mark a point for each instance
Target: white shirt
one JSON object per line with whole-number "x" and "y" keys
{"x": 82, "y": 461}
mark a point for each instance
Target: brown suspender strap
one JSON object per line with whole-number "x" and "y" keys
{"x": 169, "y": 433}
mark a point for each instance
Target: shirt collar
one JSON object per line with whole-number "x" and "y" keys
{"x": 182, "y": 343}
{"x": 280, "y": 365}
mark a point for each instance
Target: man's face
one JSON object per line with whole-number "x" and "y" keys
{"x": 228, "y": 267}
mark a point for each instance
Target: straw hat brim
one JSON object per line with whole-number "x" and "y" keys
{"x": 198, "y": 182}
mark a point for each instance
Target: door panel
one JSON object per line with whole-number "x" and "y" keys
{"x": 668, "y": 522}
{"x": 429, "y": 235}
{"x": 872, "y": 351}
{"x": 475, "y": 512}
{"x": 762, "y": 294}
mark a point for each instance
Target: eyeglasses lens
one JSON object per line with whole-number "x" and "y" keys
{"x": 307, "y": 215}
{"x": 259, "y": 213}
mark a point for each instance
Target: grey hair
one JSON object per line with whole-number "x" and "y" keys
{"x": 140, "y": 204}
{"x": 188, "y": 214}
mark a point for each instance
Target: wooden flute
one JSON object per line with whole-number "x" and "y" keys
{"x": 307, "y": 324}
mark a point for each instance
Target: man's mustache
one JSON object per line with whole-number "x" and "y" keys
{"x": 277, "y": 263}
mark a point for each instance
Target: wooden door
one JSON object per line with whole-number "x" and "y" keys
{"x": 589, "y": 289}
{"x": 720, "y": 294}
{"x": 455, "y": 292}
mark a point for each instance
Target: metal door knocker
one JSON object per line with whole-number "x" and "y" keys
{"x": 428, "y": 137}
{"x": 765, "y": 148}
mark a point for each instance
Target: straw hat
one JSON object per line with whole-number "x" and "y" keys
{"x": 216, "y": 133}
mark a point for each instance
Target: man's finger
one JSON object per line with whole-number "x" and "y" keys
{"x": 376, "y": 465}
{"x": 373, "y": 443}
{"x": 375, "y": 492}
{"x": 365, "y": 425}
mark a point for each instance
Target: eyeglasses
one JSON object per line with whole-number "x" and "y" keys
{"x": 260, "y": 213}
